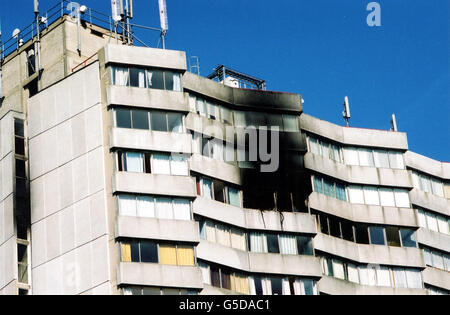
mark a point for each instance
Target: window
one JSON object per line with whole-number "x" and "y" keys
{"x": 377, "y": 235}
{"x": 381, "y": 158}
{"x": 356, "y": 194}
{"x": 123, "y": 118}
{"x": 159, "y": 121}
{"x": 31, "y": 62}
{"x": 393, "y": 236}
{"x": 149, "y": 252}
{"x": 351, "y": 156}
{"x": 149, "y": 120}
{"x": 371, "y": 196}
{"x": 366, "y": 157}
{"x": 234, "y": 197}
{"x": 219, "y": 191}
{"x": 401, "y": 198}
{"x": 387, "y": 197}
{"x": 140, "y": 119}
{"x": 347, "y": 231}
{"x": 288, "y": 245}
{"x": 408, "y": 238}
{"x": 428, "y": 184}
{"x": 304, "y": 245}
{"x": 257, "y": 243}
{"x": 137, "y": 77}
{"x": 146, "y": 78}
{"x": 272, "y": 243}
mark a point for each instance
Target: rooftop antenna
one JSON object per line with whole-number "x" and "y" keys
{"x": 195, "y": 66}
{"x": 394, "y": 123}
{"x": 1, "y": 62}
{"x": 164, "y": 21}
{"x": 16, "y": 35}
{"x": 38, "y": 36}
{"x": 346, "y": 113}
{"x": 128, "y": 15}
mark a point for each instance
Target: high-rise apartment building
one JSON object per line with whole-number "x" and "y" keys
{"x": 123, "y": 173}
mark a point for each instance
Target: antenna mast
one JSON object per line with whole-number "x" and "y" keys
{"x": 38, "y": 36}
{"x": 164, "y": 21}
{"x": 394, "y": 123}
{"x": 346, "y": 114}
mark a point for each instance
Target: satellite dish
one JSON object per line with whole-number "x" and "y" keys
{"x": 163, "y": 15}
{"x": 15, "y": 33}
{"x": 83, "y": 9}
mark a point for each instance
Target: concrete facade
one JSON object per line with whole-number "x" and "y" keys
{"x": 87, "y": 199}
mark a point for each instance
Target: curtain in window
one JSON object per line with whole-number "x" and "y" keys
{"x": 363, "y": 275}
{"x": 366, "y": 157}
{"x": 351, "y": 156}
{"x": 161, "y": 164}
{"x": 447, "y": 191}
{"x": 238, "y": 239}
{"x": 149, "y": 79}
{"x": 328, "y": 188}
{"x": 121, "y": 76}
{"x": 416, "y": 180}
{"x": 288, "y": 245}
{"x": 384, "y": 277}
{"x": 400, "y": 278}
{"x": 286, "y": 287}
{"x": 438, "y": 188}
{"x": 353, "y": 273}
{"x": 432, "y": 222}
{"x": 338, "y": 269}
{"x": 372, "y": 273}
{"x": 127, "y": 205}
{"x": 167, "y": 255}
{"x": 207, "y": 188}
{"x": 414, "y": 279}
{"x": 240, "y": 283}
{"x": 318, "y": 185}
{"x": 387, "y": 197}
{"x": 175, "y": 122}
{"x": 234, "y": 197}
{"x": 438, "y": 260}
{"x": 258, "y": 243}
{"x": 126, "y": 252}
{"x": 422, "y": 219}
{"x": 290, "y": 123}
{"x": 182, "y": 209}
{"x": 201, "y": 107}
{"x": 396, "y": 160}
{"x": 325, "y": 147}
{"x": 178, "y": 165}
{"x": 145, "y": 207}
{"x": 425, "y": 183}
{"x": 177, "y": 82}
{"x": 428, "y": 257}
{"x": 141, "y": 78}
{"x": 371, "y": 196}
{"x": 299, "y": 287}
{"x": 443, "y": 225}
{"x": 401, "y": 198}
{"x": 314, "y": 146}
{"x": 210, "y": 232}
{"x": 267, "y": 286}
{"x": 356, "y": 194}
{"x": 334, "y": 153}
{"x": 205, "y": 273}
{"x": 381, "y": 158}
{"x": 212, "y": 111}
{"x": 217, "y": 149}
{"x": 309, "y": 287}
{"x": 447, "y": 262}
{"x": 223, "y": 235}
{"x": 185, "y": 256}
{"x": 135, "y": 162}
{"x": 164, "y": 208}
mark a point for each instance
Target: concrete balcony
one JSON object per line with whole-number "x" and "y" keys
{"x": 163, "y": 185}
{"x": 363, "y": 213}
{"x": 223, "y": 255}
{"x": 255, "y": 219}
{"x": 162, "y": 276}
{"x": 434, "y": 239}
{"x": 334, "y": 286}
{"x": 430, "y": 201}
{"x": 157, "y": 229}
{"x": 296, "y": 265}
{"x": 427, "y": 165}
{"x": 215, "y": 168}
{"x": 437, "y": 278}
{"x": 150, "y": 140}
{"x": 361, "y": 175}
{"x": 355, "y": 136}
{"x": 210, "y": 290}
{"x": 147, "y": 98}
{"x": 370, "y": 254}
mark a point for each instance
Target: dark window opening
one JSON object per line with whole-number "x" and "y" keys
{"x": 20, "y": 169}
{"x": 304, "y": 244}
{"x": 362, "y": 235}
{"x": 215, "y": 276}
{"x": 347, "y": 231}
{"x": 377, "y": 235}
{"x": 219, "y": 191}
{"x": 149, "y": 252}
{"x": 272, "y": 243}
{"x": 335, "y": 228}
{"x": 393, "y": 236}
{"x": 140, "y": 119}
{"x": 408, "y": 238}
{"x": 20, "y": 146}
{"x": 277, "y": 286}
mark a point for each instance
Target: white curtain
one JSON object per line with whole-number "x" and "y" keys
{"x": 314, "y": 146}
{"x": 217, "y": 148}
{"x": 141, "y": 78}
{"x": 127, "y": 205}
{"x": 177, "y": 82}
{"x": 207, "y": 188}
{"x": 164, "y": 208}
{"x": 240, "y": 119}
{"x": 338, "y": 269}
{"x": 372, "y": 275}
{"x": 234, "y": 197}
{"x": 414, "y": 279}
{"x": 179, "y": 165}
{"x": 432, "y": 222}
{"x": 422, "y": 219}
{"x": 161, "y": 164}
{"x": 251, "y": 282}
{"x": 400, "y": 278}
{"x": 401, "y": 198}
{"x": 238, "y": 239}
{"x": 351, "y": 156}
{"x": 381, "y": 158}
{"x": 384, "y": 277}
{"x": 286, "y": 287}
{"x": 145, "y": 207}
{"x": 223, "y": 235}
{"x": 371, "y": 196}
{"x": 387, "y": 197}
{"x": 149, "y": 79}
{"x": 135, "y": 162}
{"x": 299, "y": 288}
{"x": 121, "y": 76}
{"x": 288, "y": 245}
{"x": 353, "y": 273}
{"x": 443, "y": 225}
{"x": 425, "y": 183}
{"x": 258, "y": 243}
{"x": 396, "y": 160}
{"x": 182, "y": 209}
{"x": 356, "y": 194}
{"x": 438, "y": 188}
{"x": 205, "y": 273}
{"x": 210, "y": 232}
{"x": 366, "y": 157}
{"x": 267, "y": 286}
{"x": 192, "y": 102}
{"x": 363, "y": 275}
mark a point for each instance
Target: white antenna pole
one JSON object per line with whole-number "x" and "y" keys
{"x": 346, "y": 114}
{"x": 164, "y": 21}
{"x": 38, "y": 37}
{"x": 394, "y": 123}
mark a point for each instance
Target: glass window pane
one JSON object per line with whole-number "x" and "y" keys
{"x": 137, "y": 77}
{"x": 182, "y": 209}
{"x": 149, "y": 252}
{"x": 277, "y": 285}
{"x": 123, "y": 118}
{"x": 371, "y": 196}
{"x": 304, "y": 244}
{"x": 438, "y": 187}
{"x": 120, "y": 76}
{"x": 135, "y": 162}
{"x": 366, "y": 157}
{"x": 443, "y": 225}
{"x": 164, "y": 208}
{"x": 167, "y": 255}
{"x": 396, "y": 160}
{"x": 422, "y": 219}
{"x": 340, "y": 192}
{"x": 219, "y": 191}
{"x": 353, "y": 275}
{"x": 288, "y": 245}
{"x": 290, "y": 123}
{"x": 432, "y": 222}
{"x": 377, "y": 235}
{"x": 362, "y": 234}
{"x": 240, "y": 119}
{"x": 173, "y": 81}
{"x": 314, "y": 146}
{"x": 212, "y": 111}
{"x": 272, "y": 243}
{"x": 383, "y": 277}
{"x": 207, "y": 188}
{"x": 135, "y": 256}
{"x": 414, "y": 279}
{"x": 201, "y": 107}
{"x": 401, "y": 198}
{"x": 381, "y": 158}
{"x": 158, "y": 121}
{"x": 175, "y": 122}
{"x": 387, "y": 197}
{"x": 127, "y": 205}
{"x": 226, "y": 115}
{"x": 179, "y": 165}
{"x": 338, "y": 269}
{"x": 347, "y": 231}
{"x": 408, "y": 238}
{"x": 393, "y": 236}
{"x": 351, "y": 156}
{"x": 145, "y": 207}
{"x": 400, "y": 278}
{"x": 356, "y": 194}
{"x": 140, "y": 119}
{"x": 155, "y": 79}
{"x": 161, "y": 164}
{"x": 234, "y": 197}
{"x": 318, "y": 186}
{"x": 215, "y": 276}
{"x": 329, "y": 188}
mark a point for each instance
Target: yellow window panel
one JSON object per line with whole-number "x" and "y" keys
{"x": 126, "y": 252}
{"x": 167, "y": 255}
{"x": 185, "y": 256}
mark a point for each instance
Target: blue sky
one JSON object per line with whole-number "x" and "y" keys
{"x": 322, "y": 49}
